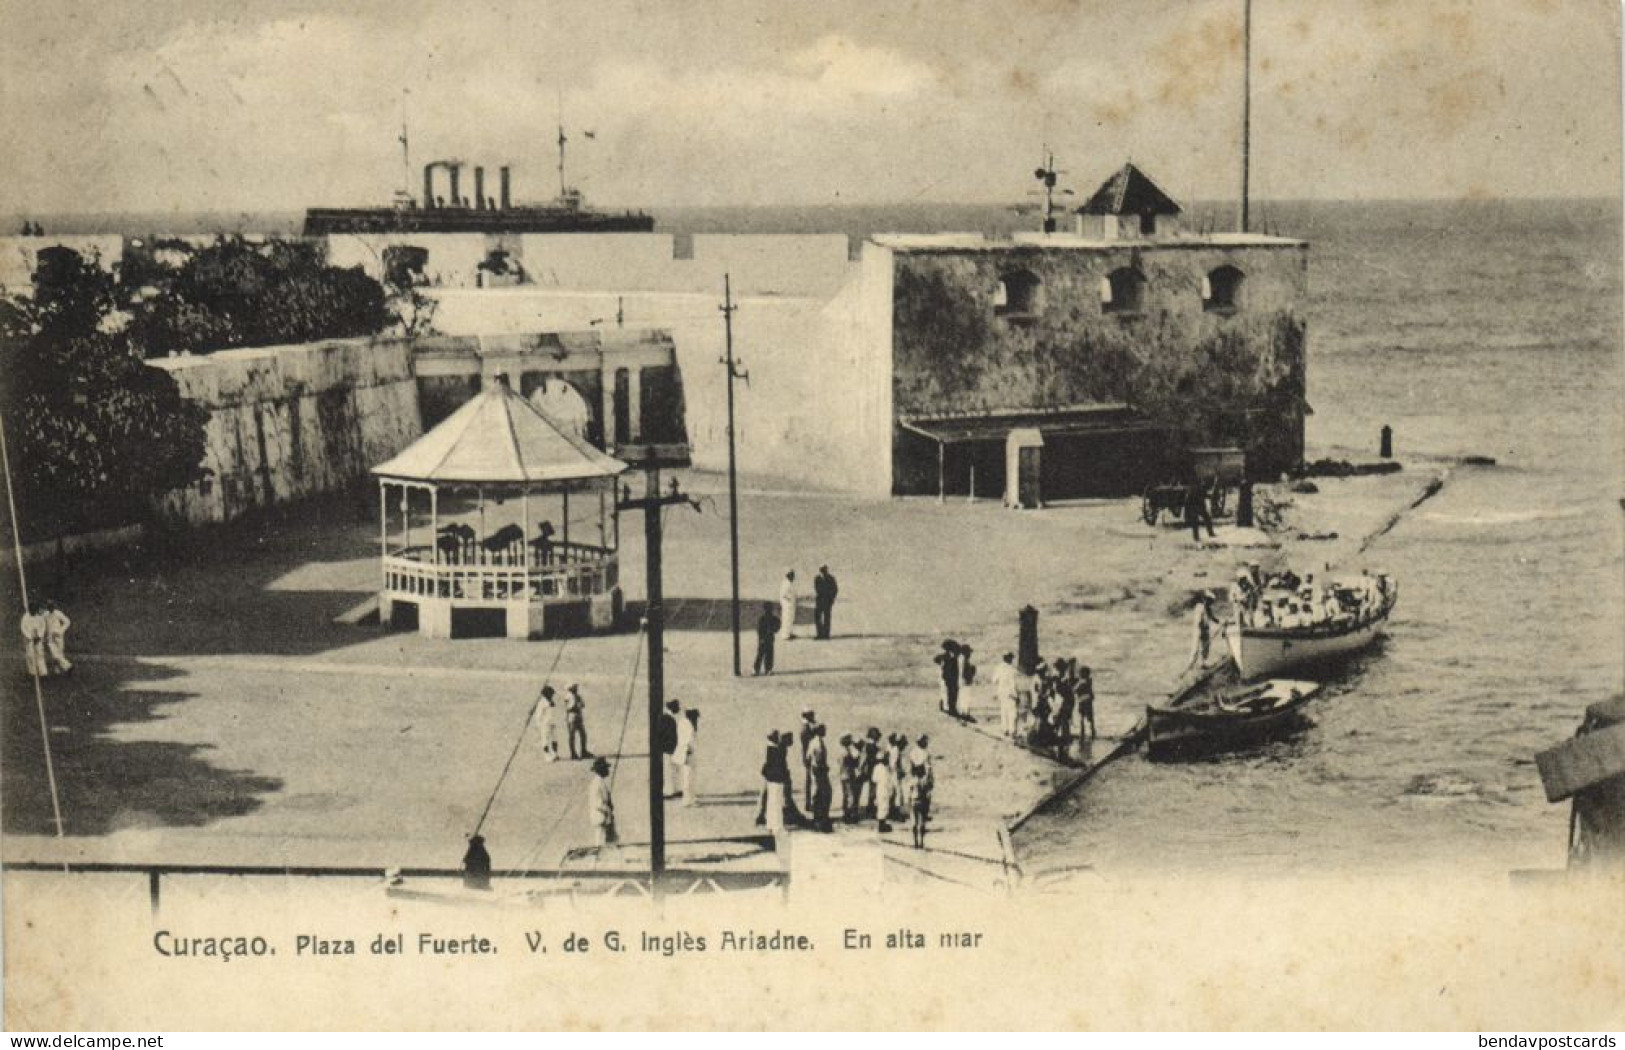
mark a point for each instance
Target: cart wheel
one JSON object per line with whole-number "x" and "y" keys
{"x": 1148, "y": 509}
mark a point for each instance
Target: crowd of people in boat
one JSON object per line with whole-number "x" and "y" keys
{"x": 1286, "y": 601}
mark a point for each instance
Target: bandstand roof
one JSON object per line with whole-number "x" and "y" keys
{"x": 499, "y": 438}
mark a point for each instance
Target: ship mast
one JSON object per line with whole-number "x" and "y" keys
{"x": 406, "y": 152}
{"x": 1246, "y": 106}
{"x": 564, "y": 190}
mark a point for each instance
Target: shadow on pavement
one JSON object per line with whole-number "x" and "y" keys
{"x": 104, "y": 784}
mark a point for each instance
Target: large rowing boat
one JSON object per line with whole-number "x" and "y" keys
{"x": 1262, "y": 651}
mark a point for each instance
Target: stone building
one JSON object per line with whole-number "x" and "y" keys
{"x": 1122, "y": 351}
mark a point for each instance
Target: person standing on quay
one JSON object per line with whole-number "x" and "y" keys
{"x": 1204, "y": 625}
{"x": 56, "y": 639}
{"x": 767, "y": 630}
{"x": 575, "y": 722}
{"x": 545, "y": 710}
{"x": 947, "y": 663}
{"x": 884, "y": 784}
{"x": 668, "y": 745}
{"x": 1196, "y": 512}
{"x": 33, "y": 626}
{"x": 600, "y": 805}
{"x": 692, "y": 717}
{"x": 1004, "y": 691}
{"x": 787, "y": 606}
{"x": 681, "y": 755}
{"x": 809, "y": 723}
{"x": 775, "y": 776}
{"x": 824, "y": 591}
{"x": 818, "y": 770}
{"x": 851, "y": 787}
{"x": 921, "y": 782}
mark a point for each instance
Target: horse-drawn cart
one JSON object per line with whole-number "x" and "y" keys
{"x": 1215, "y": 470}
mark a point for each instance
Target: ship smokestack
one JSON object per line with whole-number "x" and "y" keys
{"x": 428, "y": 185}
{"x": 479, "y": 188}
{"x": 456, "y": 194}
{"x": 506, "y": 203}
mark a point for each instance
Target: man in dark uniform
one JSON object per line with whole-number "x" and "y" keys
{"x": 824, "y": 591}
{"x": 668, "y": 746}
{"x": 818, "y": 774}
{"x": 1196, "y": 511}
{"x": 947, "y": 663}
{"x": 767, "y": 629}
{"x": 850, "y": 789}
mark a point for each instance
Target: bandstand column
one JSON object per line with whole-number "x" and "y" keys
{"x": 524, "y": 517}
{"x": 567, "y": 522}
{"x": 434, "y": 526}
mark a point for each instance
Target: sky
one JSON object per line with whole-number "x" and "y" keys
{"x": 190, "y": 105}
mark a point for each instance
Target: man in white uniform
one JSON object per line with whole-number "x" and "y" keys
{"x": 33, "y": 625}
{"x": 1004, "y": 691}
{"x": 56, "y": 639}
{"x": 787, "y": 606}
{"x": 600, "y": 805}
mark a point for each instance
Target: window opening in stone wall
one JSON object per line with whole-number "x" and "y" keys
{"x": 1221, "y": 290}
{"x": 1017, "y": 296}
{"x": 1122, "y": 291}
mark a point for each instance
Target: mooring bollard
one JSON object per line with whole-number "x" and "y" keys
{"x": 1027, "y": 644}
{"x": 1387, "y": 441}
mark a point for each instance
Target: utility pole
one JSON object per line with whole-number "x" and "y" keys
{"x": 1246, "y": 106}
{"x": 734, "y": 372}
{"x": 652, "y": 503}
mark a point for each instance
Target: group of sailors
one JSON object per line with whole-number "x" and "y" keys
{"x": 883, "y": 777}
{"x": 1285, "y": 600}
{"x": 1050, "y": 710}
{"x": 45, "y": 640}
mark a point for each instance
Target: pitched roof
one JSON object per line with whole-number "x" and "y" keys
{"x": 499, "y": 437}
{"x": 1130, "y": 192}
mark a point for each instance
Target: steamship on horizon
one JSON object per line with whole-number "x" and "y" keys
{"x": 454, "y": 213}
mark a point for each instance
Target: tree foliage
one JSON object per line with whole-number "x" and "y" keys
{"x": 92, "y": 431}
{"x": 240, "y": 293}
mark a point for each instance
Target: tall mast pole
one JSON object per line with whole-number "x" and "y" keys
{"x": 563, "y": 192}
{"x": 728, "y": 309}
{"x": 1246, "y": 106}
{"x": 406, "y": 150}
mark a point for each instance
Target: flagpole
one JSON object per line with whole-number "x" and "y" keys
{"x": 1246, "y": 105}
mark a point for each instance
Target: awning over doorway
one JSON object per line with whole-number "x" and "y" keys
{"x": 1058, "y": 422}
{"x": 1121, "y": 432}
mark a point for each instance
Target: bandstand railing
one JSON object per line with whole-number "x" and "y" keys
{"x": 566, "y": 572}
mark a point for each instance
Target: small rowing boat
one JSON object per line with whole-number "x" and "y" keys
{"x": 1263, "y": 649}
{"x": 1201, "y": 721}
